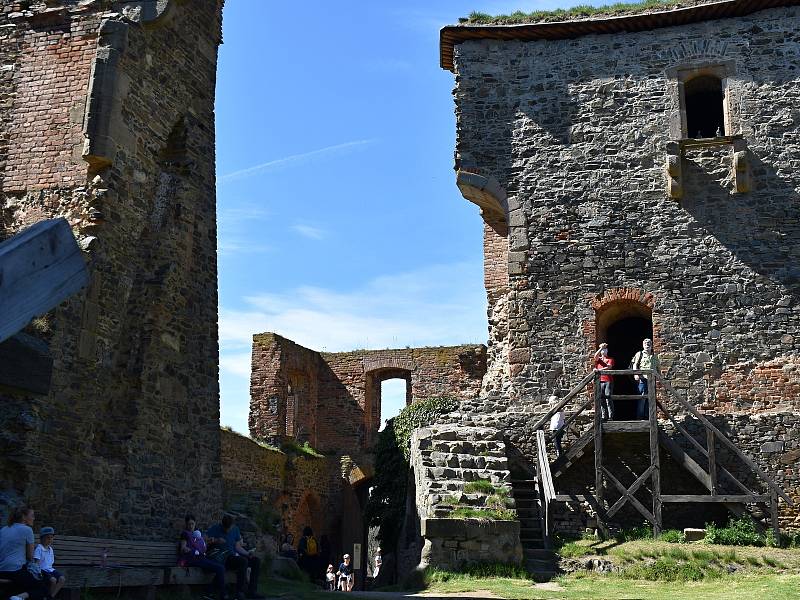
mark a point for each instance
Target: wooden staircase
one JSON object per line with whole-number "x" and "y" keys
{"x": 717, "y": 479}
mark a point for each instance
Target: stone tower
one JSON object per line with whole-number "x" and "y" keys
{"x": 108, "y": 120}
{"x": 638, "y": 177}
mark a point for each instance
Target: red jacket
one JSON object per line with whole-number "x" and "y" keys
{"x": 601, "y": 364}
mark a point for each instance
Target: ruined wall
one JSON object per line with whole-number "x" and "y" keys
{"x": 337, "y": 408}
{"x": 579, "y": 134}
{"x": 108, "y": 115}
{"x": 303, "y": 490}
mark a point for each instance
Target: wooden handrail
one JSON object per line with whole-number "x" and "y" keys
{"x": 572, "y": 393}
{"x": 723, "y": 438}
{"x": 545, "y": 477}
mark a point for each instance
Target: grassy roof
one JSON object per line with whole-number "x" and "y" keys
{"x": 583, "y": 11}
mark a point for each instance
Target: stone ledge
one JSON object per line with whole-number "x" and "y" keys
{"x": 466, "y": 529}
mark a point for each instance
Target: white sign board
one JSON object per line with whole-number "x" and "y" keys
{"x": 356, "y": 556}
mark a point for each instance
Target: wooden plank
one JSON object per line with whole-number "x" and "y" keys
{"x": 40, "y": 267}
{"x": 733, "y": 447}
{"x": 626, "y": 397}
{"x": 626, "y": 426}
{"x": 572, "y": 393}
{"x": 627, "y": 372}
{"x": 577, "y": 449}
{"x": 639, "y": 506}
{"x": 570, "y": 498}
{"x": 712, "y": 461}
{"x": 741, "y": 498}
{"x": 106, "y": 577}
{"x": 631, "y": 490}
{"x": 655, "y": 464}
{"x": 598, "y": 457}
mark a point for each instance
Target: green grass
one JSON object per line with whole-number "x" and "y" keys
{"x": 479, "y": 486}
{"x": 610, "y": 587}
{"x": 305, "y": 449}
{"x": 576, "y": 12}
{"x": 486, "y": 514}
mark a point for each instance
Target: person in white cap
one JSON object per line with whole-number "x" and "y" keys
{"x": 557, "y": 427}
{"x": 345, "y": 574}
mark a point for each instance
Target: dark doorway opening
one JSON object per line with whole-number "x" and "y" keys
{"x": 705, "y": 115}
{"x": 624, "y": 338}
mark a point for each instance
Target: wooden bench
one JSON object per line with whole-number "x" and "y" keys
{"x": 99, "y": 563}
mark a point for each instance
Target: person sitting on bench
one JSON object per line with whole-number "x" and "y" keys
{"x": 193, "y": 554}
{"x": 239, "y": 559}
{"x": 16, "y": 551}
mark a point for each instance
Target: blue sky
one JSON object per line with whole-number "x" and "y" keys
{"x": 340, "y": 224}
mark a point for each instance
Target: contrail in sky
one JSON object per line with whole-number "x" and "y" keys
{"x": 292, "y": 160}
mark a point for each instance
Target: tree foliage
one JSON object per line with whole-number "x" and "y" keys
{"x": 387, "y": 501}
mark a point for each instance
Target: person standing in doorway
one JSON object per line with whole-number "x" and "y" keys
{"x": 603, "y": 361}
{"x": 645, "y": 359}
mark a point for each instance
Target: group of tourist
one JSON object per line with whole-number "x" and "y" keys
{"x": 644, "y": 360}
{"x": 310, "y": 557}
{"x": 27, "y": 570}
{"x": 220, "y": 549}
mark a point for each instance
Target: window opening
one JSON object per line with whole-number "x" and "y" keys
{"x": 705, "y": 114}
{"x": 393, "y": 399}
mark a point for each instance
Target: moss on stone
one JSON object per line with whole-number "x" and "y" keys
{"x": 583, "y": 11}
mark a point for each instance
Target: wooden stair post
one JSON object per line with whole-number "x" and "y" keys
{"x": 654, "y": 456}
{"x": 598, "y": 458}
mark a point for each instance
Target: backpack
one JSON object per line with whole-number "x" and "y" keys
{"x": 311, "y": 546}
{"x": 198, "y": 544}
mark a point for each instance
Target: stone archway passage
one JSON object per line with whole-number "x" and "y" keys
{"x": 624, "y": 324}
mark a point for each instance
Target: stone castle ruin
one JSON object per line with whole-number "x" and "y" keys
{"x": 637, "y": 176}
{"x": 108, "y": 389}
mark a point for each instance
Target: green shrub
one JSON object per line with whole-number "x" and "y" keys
{"x": 479, "y": 486}
{"x": 673, "y": 536}
{"x": 489, "y": 570}
{"x": 739, "y": 532}
{"x": 566, "y": 14}
{"x": 641, "y": 532}
{"x": 294, "y": 447}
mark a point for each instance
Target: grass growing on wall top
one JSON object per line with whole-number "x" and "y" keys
{"x": 576, "y": 12}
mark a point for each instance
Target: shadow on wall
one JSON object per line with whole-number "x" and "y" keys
{"x": 761, "y": 228}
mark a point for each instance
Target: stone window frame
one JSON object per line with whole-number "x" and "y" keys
{"x": 678, "y": 75}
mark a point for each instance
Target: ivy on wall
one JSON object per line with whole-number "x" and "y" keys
{"x": 387, "y": 501}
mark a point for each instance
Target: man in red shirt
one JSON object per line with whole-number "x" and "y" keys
{"x": 603, "y": 361}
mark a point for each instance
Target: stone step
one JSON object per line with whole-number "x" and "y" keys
{"x": 540, "y": 553}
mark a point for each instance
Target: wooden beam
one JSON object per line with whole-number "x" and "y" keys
{"x": 572, "y": 393}
{"x": 571, "y": 498}
{"x": 773, "y": 509}
{"x": 626, "y": 426}
{"x": 684, "y": 460}
{"x": 712, "y": 460}
{"x": 585, "y": 405}
{"x": 598, "y": 456}
{"x": 639, "y": 506}
{"x": 40, "y": 267}
{"x": 654, "y": 456}
{"x": 631, "y": 491}
{"x": 742, "y": 498}
{"x": 746, "y": 459}
{"x": 703, "y": 451}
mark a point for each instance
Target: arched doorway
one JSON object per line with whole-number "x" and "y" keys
{"x": 624, "y": 324}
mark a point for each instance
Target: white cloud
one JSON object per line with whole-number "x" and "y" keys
{"x": 314, "y": 233}
{"x": 295, "y": 160}
{"x": 437, "y": 305}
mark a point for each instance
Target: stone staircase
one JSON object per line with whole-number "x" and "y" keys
{"x": 539, "y": 560}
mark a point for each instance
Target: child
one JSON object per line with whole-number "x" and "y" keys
{"x": 45, "y": 557}
{"x": 330, "y": 579}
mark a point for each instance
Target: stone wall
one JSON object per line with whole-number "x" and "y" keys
{"x": 108, "y": 120}
{"x": 612, "y": 214}
{"x": 303, "y": 490}
{"x": 291, "y": 387}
